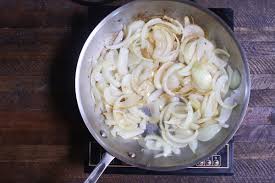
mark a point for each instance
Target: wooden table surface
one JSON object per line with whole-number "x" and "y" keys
{"x": 41, "y": 131}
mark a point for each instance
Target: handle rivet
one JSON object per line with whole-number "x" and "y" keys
{"x": 131, "y": 154}
{"x": 103, "y": 134}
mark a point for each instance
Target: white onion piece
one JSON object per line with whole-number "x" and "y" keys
{"x": 194, "y": 126}
{"x": 174, "y": 68}
{"x": 126, "y": 134}
{"x": 158, "y": 76}
{"x": 211, "y": 106}
{"x": 164, "y": 43}
{"x": 173, "y": 82}
{"x": 111, "y": 94}
{"x": 189, "y": 118}
{"x": 227, "y": 84}
{"x": 225, "y": 112}
{"x": 219, "y": 85}
{"x": 145, "y": 29}
{"x": 138, "y": 112}
{"x": 189, "y": 51}
{"x": 217, "y": 61}
{"x": 186, "y": 21}
{"x": 179, "y": 140}
{"x": 183, "y": 133}
{"x": 191, "y": 30}
{"x": 174, "y": 21}
{"x": 193, "y": 145}
{"x": 136, "y": 49}
{"x": 145, "y": 88}
{"x": 204, "y": 47}
{"x": 158, "y": 144}
{"x": 135, "y": 81}
{"x": 132, "y": 28}
{"x": 207, "y": 133}
{"x": 111, "y": 57}
{"x": 184, "y": 70}
{"x": 107, "y": 74}
{"x": 218, "y": 51}
{"x": 122, "y": 64}
{"x": 155, "y": 95}
{"x": 184, "y": 42}
{"x": 126, "y": 84}
{"x": 236, "y": 80}
{"x": 201, "y": 77}
{"x": 126, "y": 101}
{"x": 118, "y": 38}
{"x": 215, "y": 77}
{"x": 160, "y": 43}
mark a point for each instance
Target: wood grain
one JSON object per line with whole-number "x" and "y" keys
{"x": 255, "y": 133}
{"x": 254, "y": 150}
{"x": 262, "y": 81}
{"x": 41, "y": 132}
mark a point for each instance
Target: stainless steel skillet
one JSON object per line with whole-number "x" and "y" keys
{"x": 130, "y": 151}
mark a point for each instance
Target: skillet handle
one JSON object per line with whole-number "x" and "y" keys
{"x": 100, "y": 167}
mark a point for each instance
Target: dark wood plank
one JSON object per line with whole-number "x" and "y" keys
{"x": 254, "y": 150}
{"x": 258, "y": 116}
{"x": 51, "y": 172}
{"x": 54, "y": 153}
{"x": 41, "y": 140}
{"x": 266, "y": 34}
{"x": 262, "y": 98}
{"x": 262, "y": 81}
{"x": 40, "y": 13}
{"x": 33, "y": 153}
{"x": 22, "y": 99}
{"x": 255, "y": 133}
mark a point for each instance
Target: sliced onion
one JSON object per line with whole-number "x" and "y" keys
{"x": 225, "y": 112}
{"x": 122, "y": 64}
{"x": 204, "y": 47}
{"x": 158, "y": 76}
{"x": 111, "y": 94}
{"x": 137, "y": 112}
{"x": 189, "y": 118}
{"x": 193, "y": 145}
{"x": 189, "y": 51}
{"x": 107, "y": 74}
{"x": 126, "y": 84}
{"x": 219, "y": 85}
{"x": 186, "y": 21}
{"x": 227, "y": 84}
{"x": 190, "y": 30}
{"x": 135, "y": 81}
{"x": 184, "y": 70}
{"x": 236, "y": 80}
{"x": 174, "y": 68}
{"x": 201, "y": 77}
{"x": 173, "y": 82}
{"x": 179, "y": 140}
{"x": 211, "y": 106}
{"x": 207, "y": 133}
{"x": 145, "y": 89}
{"x": 126, "y": 134}
{"x": 126, "y": 101}
{"x": 155, "y": 95}
{"x": 132, "y": 29}
{"x": 118, "y": 38}
{"x": 136, "y": 49}
{"x": 182, "y": 48}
